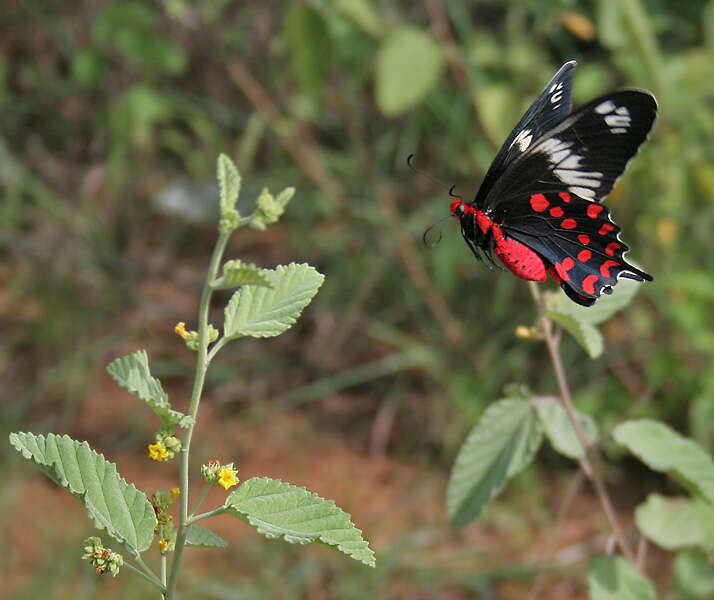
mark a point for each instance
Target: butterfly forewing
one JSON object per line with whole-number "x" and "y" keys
{"x": 549, "y": 109}
{"x": 583, "y": 155}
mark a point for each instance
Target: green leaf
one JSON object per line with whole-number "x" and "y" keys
{"x": 237, "y": 273}
{"x": 200, "y": 536}
{"x": 675, "y": 523}
{"x": 262, "y": 312}
{"x": 663, "y": 449}
{"x": 228, "y": 183}
{"x": 115, "y": 506}
{"x": 585, "y": 334}
{"x": 671, "y": 523}
{"x": 605, "y": 307}
{"x": 613, "y": 578}
{"x": 281, "y": 510}
{"x": 132, "y": 373}
{"x": 560, "y": 430}
{"x": 693, "y": 575}
{"x": 409, "y": 65}
{"x": 503, "y": 442}
{"x": 310, "y": 46}
{"x": 363, "y": 15}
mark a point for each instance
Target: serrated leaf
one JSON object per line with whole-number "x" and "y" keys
{"x": 693, "y": 575}
{"x": 409, "y": 65}
{"x": 674, "y": 523}
{"x": 560, "y": 431}
{"x": 237, "y": 273}
{"x": 132, "y": 373}
{"x": 114, "y": 505}
{"x": 200, "y": 536}
{"x": 228, "y": 183}
{"x": 280, "y": 510}
{"x": 503, "y": 442}
{"x": 262, "y": 312}
{"x": 605, "y": 307}
{"x": 613, "y": 578}
{"x": 663, "y": 449}
{"x": 585, "y": 334}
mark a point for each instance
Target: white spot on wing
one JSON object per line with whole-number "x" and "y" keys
{"x": 585, "y": 193}
{"x": 605, "y": 107}
{"x": 523, "y": 139}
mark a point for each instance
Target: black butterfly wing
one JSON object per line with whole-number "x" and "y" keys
{"x": 583, "y": 155}
{"x": 577, "y": 238}
{"x": 550, "y": 108}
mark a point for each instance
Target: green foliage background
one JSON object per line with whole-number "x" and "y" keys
{"x": 113, "y": 114}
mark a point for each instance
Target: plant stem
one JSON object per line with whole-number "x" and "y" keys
{"x": 211, "y": 513}
{"x": 201, "y": 366}
{"x": 585, "y": 461}
{"x": 201, "y": 498}
{"x": 163, "y": 557}
{"x": 149, "y": 577}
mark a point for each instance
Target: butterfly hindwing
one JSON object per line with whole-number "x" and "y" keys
{"x": 577, "y": 238}
{"x": 549, "y": 109}
{"x": 583, "y": 155}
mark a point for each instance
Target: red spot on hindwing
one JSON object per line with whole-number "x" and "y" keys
{"x": 584, "y": 255}
{"x": 611, "y": 247}
{"x": 584, "y": 239}
{"x": 605, "y": 229}
{"x": 556, "y": 211}
{"x": 589, "y": 283}
{"x": 606, "y": 266}
{"x": 564, "y": 196}
{"x": 594, "y": 210}
{"x": 568, "y": 224}
{"x": 539, "y": 202}
{"x": 562, "y": 268}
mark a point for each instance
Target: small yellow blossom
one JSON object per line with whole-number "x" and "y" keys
{"x": 157, "y": 452}
{"x": 227, "y": 478}
{"x": 175, "y": 492}
{"x": 163, "y": 544}
{"x": 180, "y": 329}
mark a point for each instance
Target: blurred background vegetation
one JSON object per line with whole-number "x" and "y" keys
{"x": 112, "y": 116}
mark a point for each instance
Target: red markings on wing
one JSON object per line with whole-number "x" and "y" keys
{"x": 562, "y": 269}
{"x": 606, "y": 266}
{"x": 554, "y": 274}
{"x": 539, "y": 202}
{"x": 584, "y": 255}
{"x": 568, "y": 224}
{"x": 605, "y": 229}
{"x": 584, "y": 239}
{"x": 565, "y": 196}
{"x": 611, "y": 247}
{"x": 556, "y": 211}
{"x": 589, "y": 283}
{"x": 594, "y": 210}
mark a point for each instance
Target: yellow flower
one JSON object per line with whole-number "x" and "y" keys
{"x": 157, "y": 452}
{"x": 163, "y": 544}
{"x": 180, "y": 329}
{"x": 175, "y": 492}
{"x": 227, "y": 478}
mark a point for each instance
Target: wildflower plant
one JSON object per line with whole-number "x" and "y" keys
{"x": 266, "y": 303}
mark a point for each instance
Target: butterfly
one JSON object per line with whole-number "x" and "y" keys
{"x": 539, "y": 206}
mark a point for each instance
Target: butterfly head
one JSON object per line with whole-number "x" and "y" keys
{"x": 458, "y": 208}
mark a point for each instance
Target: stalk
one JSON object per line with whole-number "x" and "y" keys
{"x": 590, "y": 453}
{"x": 201, "y": 367}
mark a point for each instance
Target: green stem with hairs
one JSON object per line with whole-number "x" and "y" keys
{"x": 201, "y": 367}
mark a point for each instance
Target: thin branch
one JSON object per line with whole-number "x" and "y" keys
{"x": 150, "y": 578}
{"x": 211, "y": 513}
{"x": 585, "y": 461}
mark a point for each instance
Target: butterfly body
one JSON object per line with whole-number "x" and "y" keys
{"x": 538, "y": 209}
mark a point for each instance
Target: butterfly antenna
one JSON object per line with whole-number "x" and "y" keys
{"x": 410, "y": 163}
{"x": 452, "y": 195}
